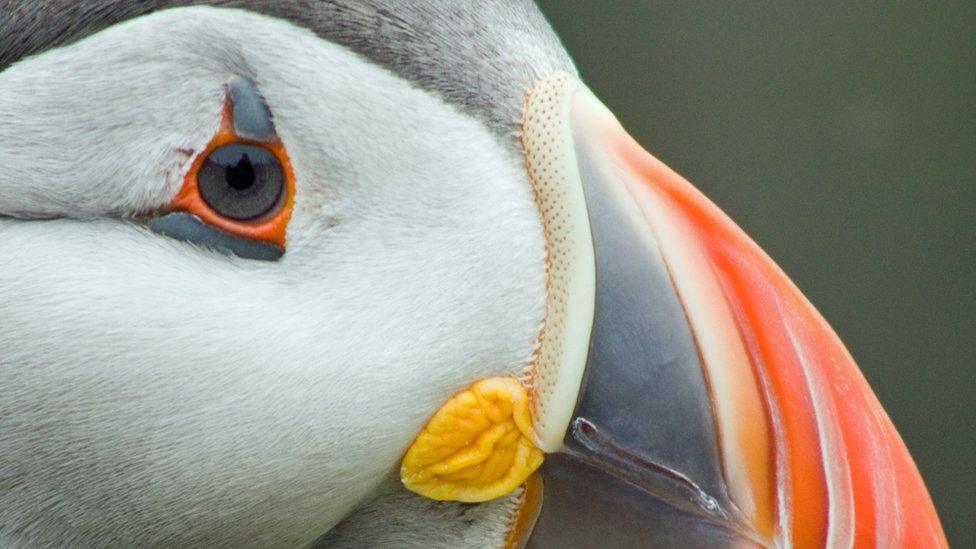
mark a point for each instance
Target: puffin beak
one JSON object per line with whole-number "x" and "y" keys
{"x": 686, "y": 392}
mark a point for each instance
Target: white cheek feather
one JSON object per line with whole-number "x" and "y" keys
{"x": 155, "y": 393}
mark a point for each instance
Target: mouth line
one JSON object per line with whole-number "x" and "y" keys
{"x": 610, "y": 456}
{"x": 602, "y": 452}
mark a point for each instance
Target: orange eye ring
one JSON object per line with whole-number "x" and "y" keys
{"x": 271, "y": 227}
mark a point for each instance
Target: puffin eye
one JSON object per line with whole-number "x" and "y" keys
{"x": 238, "y": 195}
{"x": 241, "y": 182}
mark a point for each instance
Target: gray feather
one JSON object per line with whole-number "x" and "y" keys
{"x": 480, "y": 55}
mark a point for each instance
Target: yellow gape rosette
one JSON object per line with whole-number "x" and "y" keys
{"x": 479, "y": 446}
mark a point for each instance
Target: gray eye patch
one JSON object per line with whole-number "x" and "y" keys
{"x": 189, "y": 228}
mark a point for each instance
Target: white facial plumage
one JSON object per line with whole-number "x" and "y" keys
{"x": 153, "y": 390}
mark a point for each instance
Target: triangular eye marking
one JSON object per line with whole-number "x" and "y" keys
{"x": 252, "y": 118}
{"x": 241, "y": 185}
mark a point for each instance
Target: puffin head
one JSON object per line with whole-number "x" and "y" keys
{"x": 248, "y": 249}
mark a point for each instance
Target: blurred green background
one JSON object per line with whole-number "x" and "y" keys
{"x": 843, "y": 139}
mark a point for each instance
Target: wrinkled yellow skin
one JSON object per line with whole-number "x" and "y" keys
{"x": 479, "y": 446}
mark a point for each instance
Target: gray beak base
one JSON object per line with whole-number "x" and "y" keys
{"x": 640, "y": 465}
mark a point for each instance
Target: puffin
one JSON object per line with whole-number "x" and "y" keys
{"x": 386, "y": 273}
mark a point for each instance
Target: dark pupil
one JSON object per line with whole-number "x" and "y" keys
{"x": 242, "y": 182}
{"x": 241, "y": 176}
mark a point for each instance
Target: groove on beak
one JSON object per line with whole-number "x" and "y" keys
{"x": 708, "y": 390}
